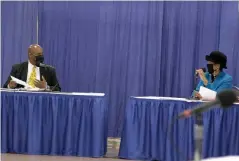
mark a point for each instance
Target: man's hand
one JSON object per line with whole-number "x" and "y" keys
{"x": 197, "y": 95}
{"x": 202, "y": 76}
{"x": 41, "y": 84}
{"x": 12, "y": 84}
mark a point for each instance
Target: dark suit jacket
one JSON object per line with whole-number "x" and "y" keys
{"x": 20, "y": 71}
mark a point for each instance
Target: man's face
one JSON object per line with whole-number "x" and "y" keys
{"x": 34, "y": 52}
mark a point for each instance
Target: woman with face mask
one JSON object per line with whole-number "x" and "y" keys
{"x": 215, "y": 79}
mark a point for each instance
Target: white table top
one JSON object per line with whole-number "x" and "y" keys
{"x": 60, "y": 93}
{"x": 169, "y": 98}
{"x": 228, "y": 158}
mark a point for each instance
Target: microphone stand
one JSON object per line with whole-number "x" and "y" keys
{"x": 195, "y": 86}
{"x": 198, "y": 131}
{"x": 198, "y": 140}
{"x": 195, "y": 81}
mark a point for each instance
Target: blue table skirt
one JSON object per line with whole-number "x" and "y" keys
{"x": 221, "y": 132}
{"x": 53, "y": 124}
{"x": 144, "y": 135}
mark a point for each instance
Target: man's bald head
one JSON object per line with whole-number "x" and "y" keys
{"x": 33, "y": 51}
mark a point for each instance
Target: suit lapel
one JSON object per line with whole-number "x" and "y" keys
{"x": 25, "y": 71}
{"x": 41, "y": 72}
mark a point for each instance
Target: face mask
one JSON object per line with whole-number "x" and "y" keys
{"x": 210, "y": 68}
{"x": 39, "y": 59}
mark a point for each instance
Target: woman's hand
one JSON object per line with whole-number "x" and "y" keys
{"x": 202, "y": 76}
{"x": 197, "y": 95}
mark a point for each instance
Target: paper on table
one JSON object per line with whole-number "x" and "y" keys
{"x": 207, "y": 94}
{"x": 236, "y": 87}
{"x": 18, "y": 81}
{"x": 34, "y": 89}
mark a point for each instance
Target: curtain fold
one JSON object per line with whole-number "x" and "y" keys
{"x": 18, "y": 30}
{"x": 123, "y": 48}
{"x": 135, "y": 48}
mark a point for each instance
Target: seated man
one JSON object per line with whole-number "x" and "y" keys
{"x": 31, "y": 72}
{"x": 215, "y": 79}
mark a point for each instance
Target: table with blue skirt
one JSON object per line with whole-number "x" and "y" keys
{"x": 145, "y": 132}
{"x": 43, "y": 123}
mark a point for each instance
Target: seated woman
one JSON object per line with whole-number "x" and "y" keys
{"x": 215, "y": 79}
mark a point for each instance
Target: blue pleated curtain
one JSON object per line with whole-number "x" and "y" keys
{"x": 125, "y": 48}
{"x": 18, "y": 30}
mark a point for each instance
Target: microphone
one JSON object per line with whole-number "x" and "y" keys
{"x": 53, "y": 88}
{"x": 225, "y": 99}
{"x": 203, "y": 69}
{"x": 44, "y": 65}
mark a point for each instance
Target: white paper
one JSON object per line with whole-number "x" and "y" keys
{"x": 7, "y": 89}
{"x": 236, "y": 87}
{"x": 207, "y": 94}
{"x": 34, "y": 89}
{"x": 18, "y": 81}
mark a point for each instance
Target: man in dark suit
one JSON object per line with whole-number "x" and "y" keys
{"x": 31, "y": 72}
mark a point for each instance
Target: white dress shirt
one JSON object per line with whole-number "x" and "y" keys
{"x": 30, "y": 66}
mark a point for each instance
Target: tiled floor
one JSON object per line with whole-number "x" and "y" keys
{"x": 18, "y": 157}
{"x": 112, "y": 153}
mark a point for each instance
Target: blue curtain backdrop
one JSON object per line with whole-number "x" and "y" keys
{"x": 134, "y": 48}
{"x": 18, "y": 30}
